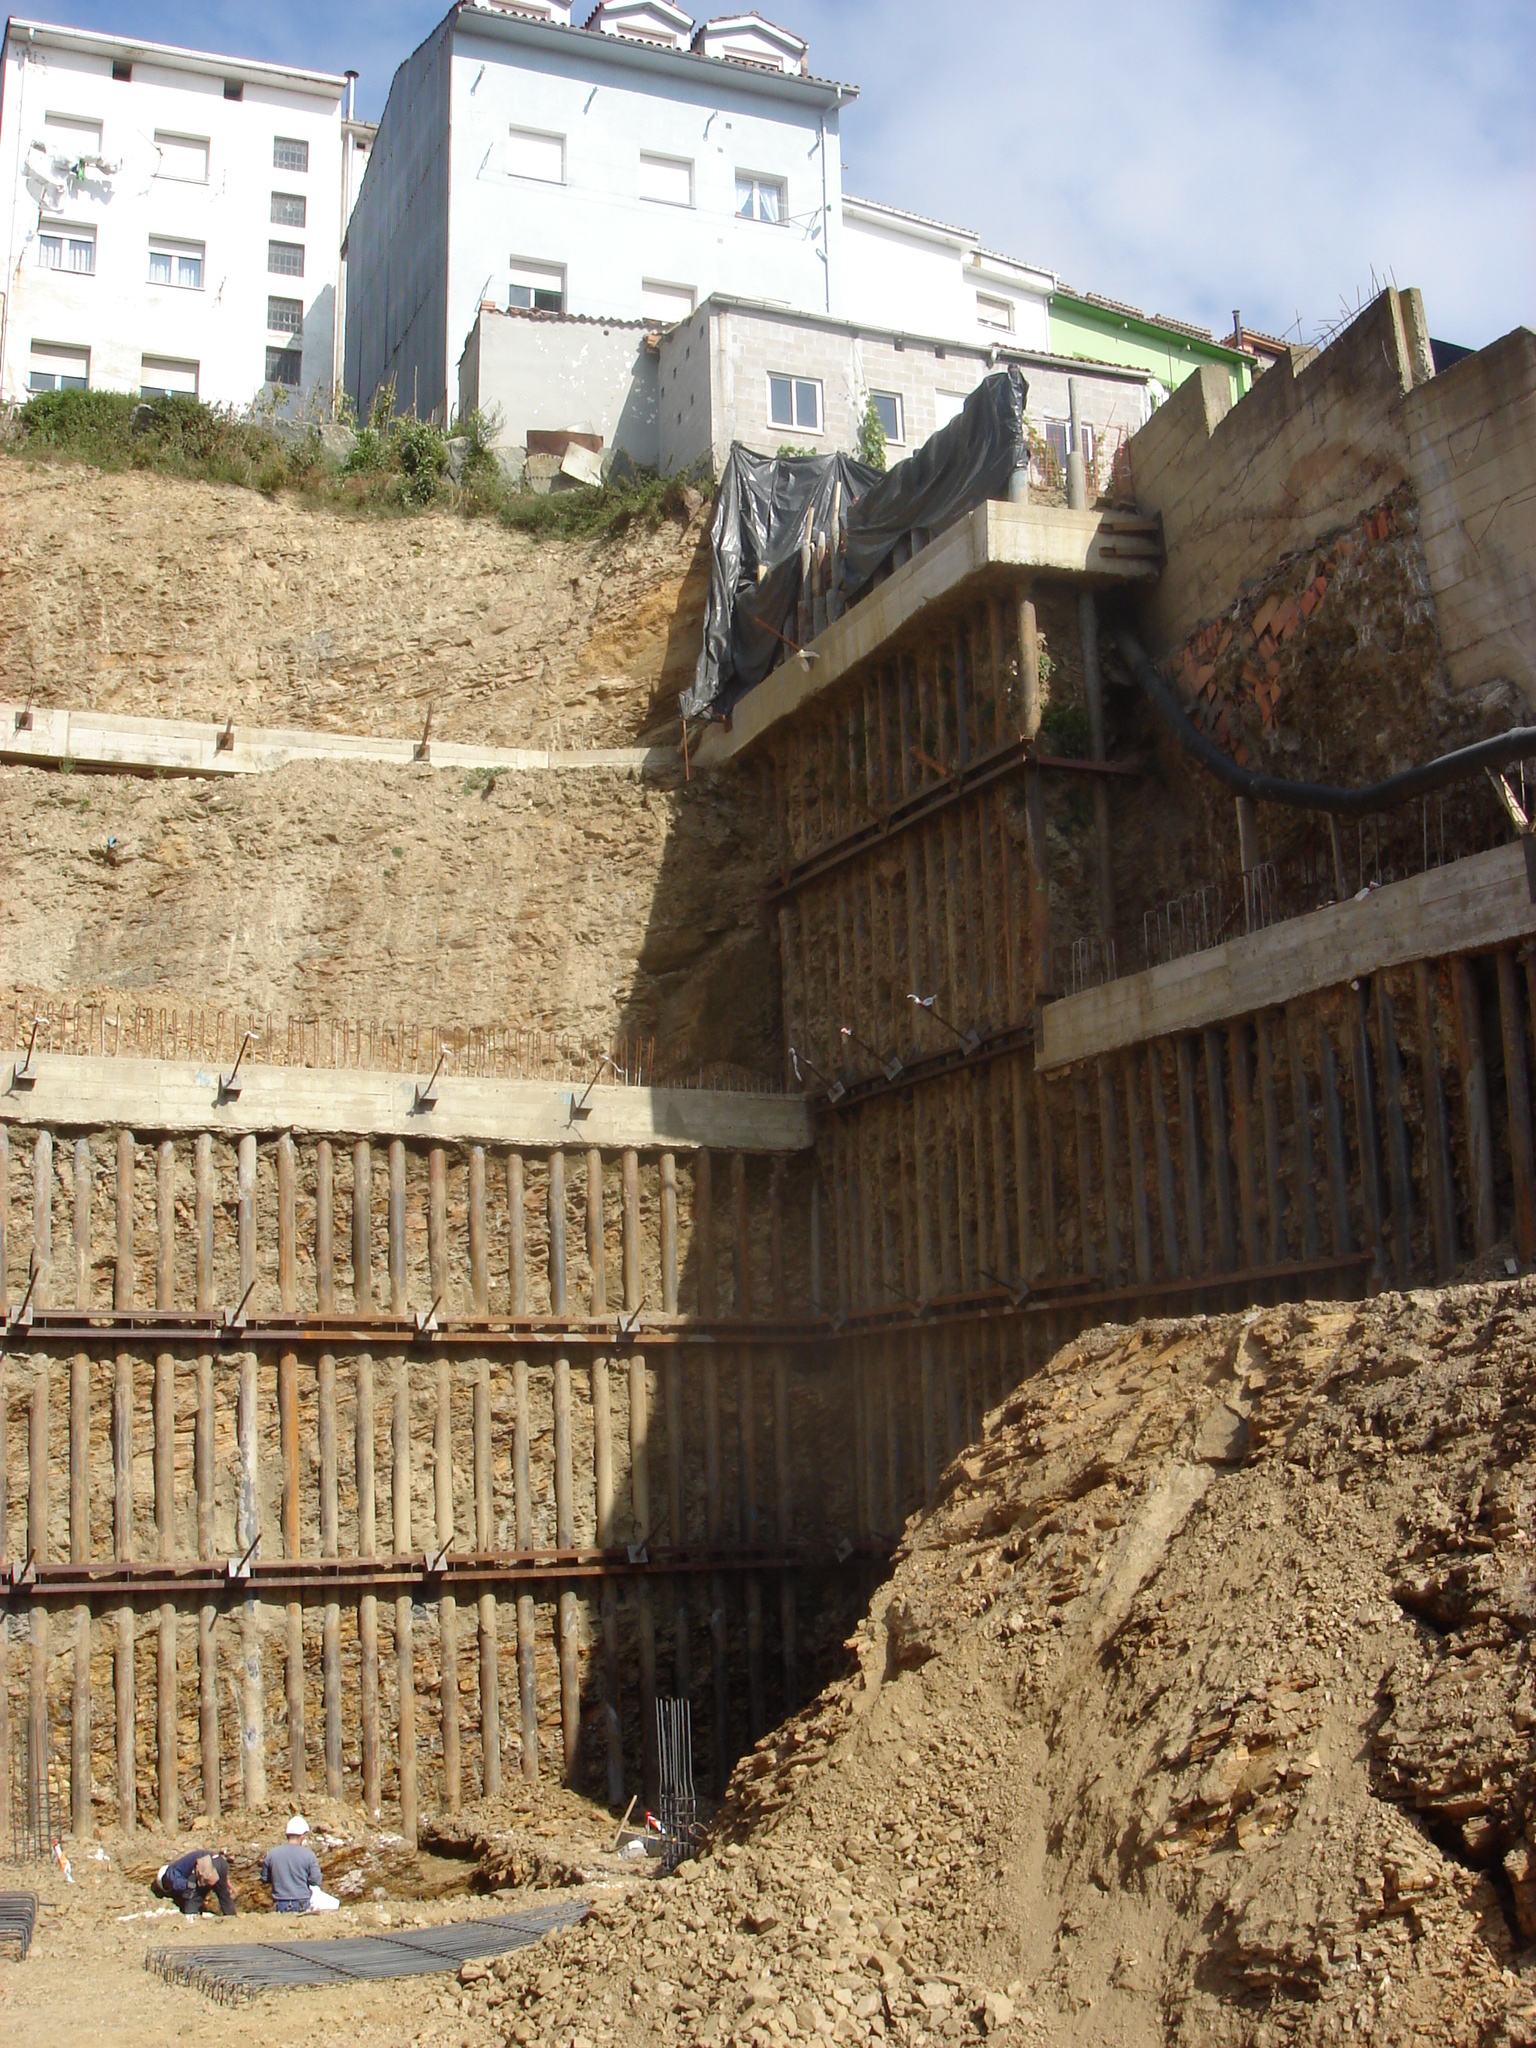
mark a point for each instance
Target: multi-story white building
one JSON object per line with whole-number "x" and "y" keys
{"x": 625, "y": 169}
{"x": 629, "y": 170}
{"x": 175, "y": 218}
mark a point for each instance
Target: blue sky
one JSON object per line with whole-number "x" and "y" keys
{"x": 1268, "y": 155}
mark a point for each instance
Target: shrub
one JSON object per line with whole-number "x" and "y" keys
{"x": 421, "y": 455}
{"x": 871, "y": 447}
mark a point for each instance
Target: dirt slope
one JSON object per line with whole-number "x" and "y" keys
{"x": 1198, "y": 1711}
{"x": 154, "y": 596}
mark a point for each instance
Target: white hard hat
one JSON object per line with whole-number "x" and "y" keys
{"x": 298, "y": 1826}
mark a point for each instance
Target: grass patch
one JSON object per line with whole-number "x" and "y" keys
{"x": 396, "y": 464}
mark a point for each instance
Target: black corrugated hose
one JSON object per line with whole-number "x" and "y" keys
{"x": 1518, "y": 744}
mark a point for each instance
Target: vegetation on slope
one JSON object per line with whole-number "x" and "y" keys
{"x": 395, "y": 463}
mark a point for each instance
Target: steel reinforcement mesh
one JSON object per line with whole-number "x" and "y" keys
{"x": 239, "y": 1970}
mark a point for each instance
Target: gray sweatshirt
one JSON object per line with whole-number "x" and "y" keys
{"x": 291, "y": 1868}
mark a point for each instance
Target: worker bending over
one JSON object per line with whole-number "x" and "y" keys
{"x": 188, "y": 1881}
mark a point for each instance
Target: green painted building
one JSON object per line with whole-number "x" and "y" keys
{"x": 1103, "y": 331}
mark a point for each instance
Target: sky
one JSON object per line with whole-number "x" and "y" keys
{"x": 1283, "y": 158}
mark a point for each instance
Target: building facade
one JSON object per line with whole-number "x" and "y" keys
{"x": 918, "y": 276}
{"x": 1168, "y": 350}
{"x": 175, "y": 219}
{"x": 773, "y": 379}
{"x": 623, "y": 170}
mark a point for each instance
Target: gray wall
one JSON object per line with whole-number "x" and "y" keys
{"x": 547, "y": 371}
{"x": 397, "y": 244}
{"x": 715, "y": 369}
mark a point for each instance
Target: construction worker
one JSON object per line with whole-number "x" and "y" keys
{"x": 293, "y": 1871}
{"x": 188, "y": 1881}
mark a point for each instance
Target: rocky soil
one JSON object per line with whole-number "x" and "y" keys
{"x": 157, "y": 597}
{"x": 1198, "y": 1710}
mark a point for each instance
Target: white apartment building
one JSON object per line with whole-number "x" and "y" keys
{"x": 626, "y": 169}
{"x": 623, "y": 169}
{"x": 175, "y": 218}
{"x": 912, "y": 275}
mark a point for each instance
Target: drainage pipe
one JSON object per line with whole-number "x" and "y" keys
{"x": 1518, "y": 744}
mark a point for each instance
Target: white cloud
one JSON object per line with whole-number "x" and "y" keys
{"x": 1203, "y": 157}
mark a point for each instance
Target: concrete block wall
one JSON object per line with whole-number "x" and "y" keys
{"x": 1472, "y": 453}
{"x": 544, "y": 371}
{"x": 727, "y": 353}
{"x": 1240, "y": 488}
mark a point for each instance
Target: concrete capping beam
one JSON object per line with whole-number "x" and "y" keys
{"x": 168, "y": 1098}
{"x": 186, "y": 746}
{"x": 1100, "y": 547}
{"x": 1468, "y": 906}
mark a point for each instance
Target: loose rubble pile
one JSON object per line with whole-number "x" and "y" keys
{"x": 1197, "y": 1710}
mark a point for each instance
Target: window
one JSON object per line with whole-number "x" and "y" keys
{"x": 947, "y": 405}
{"x": 531, "y": 155}
{"x": 122, "y": 71}
{"x": 67, "y": 138}
{"x": 183, "y": 158}
{"x": 760, "y": 198}
{"x": 285, "y": 259}
{"x": 288, "y": 209}
{"x": 795, "y": 402}
{"x": 1056, "y": 442}
{"x": 57, "y": 367}
{"x": 666, "y": 179}
{"x": 1086, "y": 441}
{"x": 234, "y": 89}
{"x": 285, "y": 316}
{"x": 992, "y": 312}
{"x": 887, "y": 406}
{"x": 176, "y": 263}
{"x": 284, "y": 365}
{"x": 536, "y": 288}
{"x": 288, "y": 154}
{"x": 65, "y": 248}
{"x": 166, "y": 377}
{"x": 667, "y": 303}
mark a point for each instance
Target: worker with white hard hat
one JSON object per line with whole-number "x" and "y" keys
{"x": 292, "y": 1870}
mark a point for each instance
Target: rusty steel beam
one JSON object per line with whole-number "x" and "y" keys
{"x": 324, "y": 1579}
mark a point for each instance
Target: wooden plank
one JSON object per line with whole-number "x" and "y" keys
{"x": 1167, "y": 1198}
{"x": 1335, "y": 1150}
{"x": 1399, "y": 1164}
{"x": 203, "y": 1478}
{"x": 1301, "y": 1125}
{"x": 522, "y": 1488}
{"x": 122, "y": 1473}
{"x": 1269, "y": 1109}
{"x": 1242, "y": 1141}
{"x": 1219, "y": 1129}
{"x": 79, "y": 1502}
{"x": 1517, "y": 1088}
{"x": 1367, "y": 1142}
{"x": 1475, "y": 904}
{"x": 1194, "y": 1165}
{"x": 1141, "y": 1218}
{"x": 1467, "y": 1010}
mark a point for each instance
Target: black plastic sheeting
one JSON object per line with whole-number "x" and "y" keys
{"x": 751, "y": 620}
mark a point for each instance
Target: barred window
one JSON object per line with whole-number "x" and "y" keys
{"x": 287, "y": 209}
{"x": 289, "y": 154}
{"x": 285, "y": 259}
{"x": 285, "y": 316}
{"x": 284, "y": 365}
